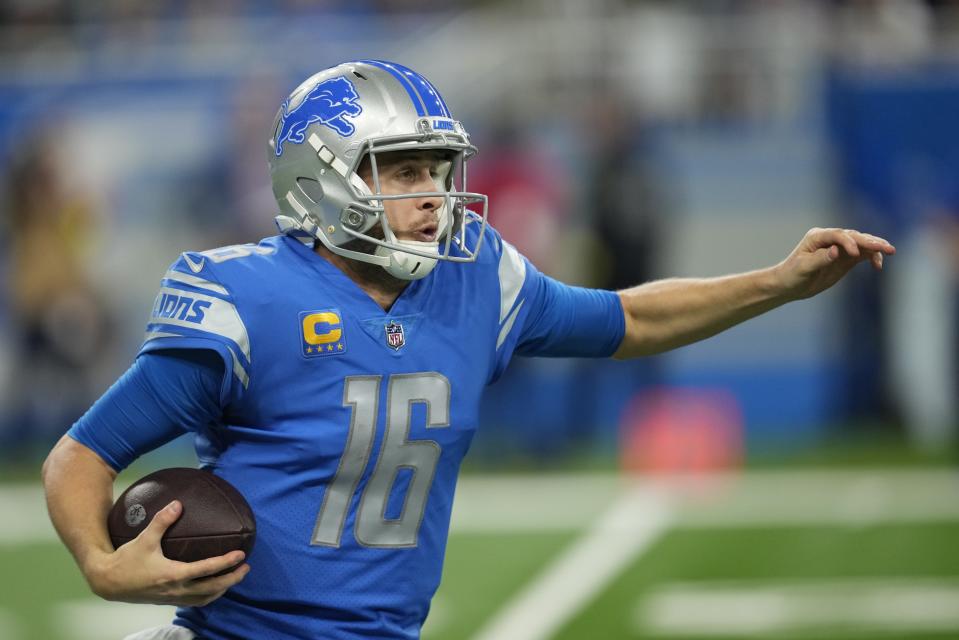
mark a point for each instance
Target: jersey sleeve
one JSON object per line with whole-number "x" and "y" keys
{"x": 195, "y": 310}
{"x": 160, "y": 397}
{"x": 540, "y": 316}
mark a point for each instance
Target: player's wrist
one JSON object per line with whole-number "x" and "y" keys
{"x": 97, "y": 568}
{"x": 777, "y": 284}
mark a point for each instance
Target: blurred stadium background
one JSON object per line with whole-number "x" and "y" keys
{"x": 792, "y": 478}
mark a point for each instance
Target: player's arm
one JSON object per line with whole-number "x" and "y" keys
{"x": 667, "y": 314}
{"x": 79, "y": 490}
{"x": 149, "y": 405}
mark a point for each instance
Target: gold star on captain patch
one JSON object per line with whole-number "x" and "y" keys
{"x": 329, "y": 347}
{"x": 309, "y": 349}
{"x": 339, "y": 346}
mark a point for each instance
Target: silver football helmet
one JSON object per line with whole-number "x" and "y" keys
{"x": 343, "y": 114}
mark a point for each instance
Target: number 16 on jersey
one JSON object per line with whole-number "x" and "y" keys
{"x": 373, "y": 528}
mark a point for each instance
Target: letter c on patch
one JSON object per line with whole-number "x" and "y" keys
{"x": 310, "y": 323}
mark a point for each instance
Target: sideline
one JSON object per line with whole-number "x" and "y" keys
{"x": 570, "y": 502}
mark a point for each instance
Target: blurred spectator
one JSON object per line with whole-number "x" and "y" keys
{"x": 527, "y": 190}
{"x": 923, "y": 332}
{"x": 883, "y": 32}
{"x": 252, "y": 203}
{"x": 626, "y": 205}
{"x": 228, "y": 198}
{"x": 898, "y": 145}
{"x": 57, "y": 322}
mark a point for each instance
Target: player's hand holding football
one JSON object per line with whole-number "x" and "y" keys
{"x": 139, "y": 572}
{"x": 824, "y": 256}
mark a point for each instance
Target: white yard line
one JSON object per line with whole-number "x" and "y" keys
{"x": 514, "y": 503}
{"x": 863, "y": 607}
{"x": 93, "y": 619}
{"x": 828, "y": 498}
{"x": 569, "y": 502}
{"x": 25, "y": 518}
{"x": 633, "y": 523}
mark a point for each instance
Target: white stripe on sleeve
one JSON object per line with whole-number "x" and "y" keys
{"x": 512, "y": 274}
{"x": 194, "y": 281}
{"x": 204, "y": 313}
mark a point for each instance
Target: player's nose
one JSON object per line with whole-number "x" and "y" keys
{"x": 428, "y": 203}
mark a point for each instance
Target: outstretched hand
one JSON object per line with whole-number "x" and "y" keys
{"x": 139, "y": 572}
{"x": 824, "y": 256}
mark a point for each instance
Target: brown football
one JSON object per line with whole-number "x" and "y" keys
{"x": 216, "y": 518}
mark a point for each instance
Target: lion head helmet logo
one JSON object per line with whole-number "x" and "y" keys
{"x": 329, "y": 103}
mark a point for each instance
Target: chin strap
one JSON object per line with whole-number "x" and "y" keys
{"x": 407, "y": 266}
{"x": 400, "y": 264}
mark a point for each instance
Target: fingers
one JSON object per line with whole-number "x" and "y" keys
{"x": 854, "y": 243}
{"x": 871, "y": 247}
{"x": 826, "y": 255}
{"x": 161, "y": 522}
{"x": 210, "y": 566}
{"x": 206, "y": 590}
{"x": 822, "y": 238}
{"x": 216, "y": 584}
{"x": 870, "y": 242}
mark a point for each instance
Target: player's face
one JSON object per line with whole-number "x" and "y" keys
{"x": 410, "y": 172}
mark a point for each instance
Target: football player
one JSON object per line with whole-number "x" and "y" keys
{"x": 333, "y": 372}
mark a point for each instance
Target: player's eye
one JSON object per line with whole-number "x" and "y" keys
{"x": 406, "y": 173}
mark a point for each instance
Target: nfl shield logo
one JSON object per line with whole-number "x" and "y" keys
{"x": 394, "y": 335}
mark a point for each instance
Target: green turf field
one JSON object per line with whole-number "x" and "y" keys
{"x": 802, "y": 554}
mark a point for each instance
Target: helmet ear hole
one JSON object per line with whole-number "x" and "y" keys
{"x": 311, "y": 189}
{"x": 352, "y": 218}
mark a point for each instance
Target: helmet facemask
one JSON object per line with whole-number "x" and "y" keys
{"x": 411, "y": 259}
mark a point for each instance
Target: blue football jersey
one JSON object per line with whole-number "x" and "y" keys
{"x": 344, "y": 425}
